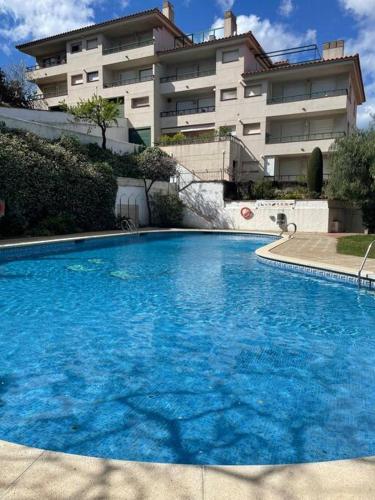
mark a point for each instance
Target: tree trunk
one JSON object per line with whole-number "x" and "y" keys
{"x": 104, "y": 138}
{"x": 147, "y": 190}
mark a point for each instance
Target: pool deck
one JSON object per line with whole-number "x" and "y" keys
{"x": 29, "y": 473}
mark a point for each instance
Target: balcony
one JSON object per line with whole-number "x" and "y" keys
{"x": 129, "y": 81}
{"x": 49, "y": 95}
{"x": 127, "y": 46}
{"x": 192, "y": 111}
{"x": 320, "y": 136}
{"x": 303, "y": 97}
{"x": 187, "y": 76}
{"x": 50, "y": 64}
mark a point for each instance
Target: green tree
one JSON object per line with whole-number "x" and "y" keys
{"x": 155, "y": 165}
{"x": 96, "y": 111}
{"x": 353, "y": 172}
{"x": 315, "y": 172}
{"x": 15, "y": 89}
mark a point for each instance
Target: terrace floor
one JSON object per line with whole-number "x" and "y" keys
{"x": 321, "y": 249}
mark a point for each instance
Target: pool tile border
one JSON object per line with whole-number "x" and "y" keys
{"x": 343, "y": 275}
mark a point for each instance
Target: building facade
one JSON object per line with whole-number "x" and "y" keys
{"x": 166, "y": 82}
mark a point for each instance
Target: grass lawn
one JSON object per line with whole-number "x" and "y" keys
{"x": 356, "y": 245}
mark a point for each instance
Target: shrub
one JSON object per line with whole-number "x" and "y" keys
{"x": 42, "y": 182}
{"x": 315, "y": 172}
{"x": 56, "y": 224}
{"x": 167, "y": 210}
{"x": 263, "y": 190}
{"x": 368, "y": 214}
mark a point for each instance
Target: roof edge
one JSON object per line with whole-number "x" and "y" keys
{"x": 90, "y": 27}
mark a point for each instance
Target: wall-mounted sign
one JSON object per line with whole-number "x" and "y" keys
{"x": 275, "y": 204}
{"x": 2, "y": 208}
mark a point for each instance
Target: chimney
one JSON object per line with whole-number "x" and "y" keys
{"x": 230, "y": 24}
{"x": 168, "y": 10}
{"x": 332, "y": 50}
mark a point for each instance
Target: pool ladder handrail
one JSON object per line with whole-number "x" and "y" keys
{"x": 369, "y": 248}
{"x": 286, "y": 230}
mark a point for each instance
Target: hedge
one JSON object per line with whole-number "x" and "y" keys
{"x": 53, "y": 187}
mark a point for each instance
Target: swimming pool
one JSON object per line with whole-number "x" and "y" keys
{"x": 184, "y": 348}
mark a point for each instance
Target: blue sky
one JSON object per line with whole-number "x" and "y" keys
{"x": 276, "y": 23}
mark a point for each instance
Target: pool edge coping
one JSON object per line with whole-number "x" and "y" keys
{"x": 265, "y": 253}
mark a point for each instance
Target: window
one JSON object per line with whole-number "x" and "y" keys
{"x": 92, "y": 43}
{"x": 228, "y": 130}
{"x": 76, "y": 47}
{"x": 230, "y": 56}
{"x": 251, "y": 129}
{"x": 140, "y": 102}
{"x": 93, "y": 76}
{"x": 253, "y": 90}
{"x": 228, "y": 94}
{"x": 77, "y": 80}
{"x": 145, "y": 74}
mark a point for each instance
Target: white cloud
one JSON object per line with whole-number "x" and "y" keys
{"x": 225, "y": 4}
{"x": 364, "y": 44}
{"x": 23, "y": 19}
{"x": 360, "y": 8}
{"x": 286, "y": 7}
{"x": 272, "y": 36}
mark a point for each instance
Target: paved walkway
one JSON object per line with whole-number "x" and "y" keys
{"x": 320, "y": 249}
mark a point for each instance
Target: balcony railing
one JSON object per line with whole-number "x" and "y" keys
{"x": 129, "y": 81}
{"x": 295, "y": 178}
{"x": 49, "y": 95}
{"x": 304, "y": 97}
{"x": 192, "y": 111}
{"x": 304, "y": 137}
{"x": 127, "y": 46}
{"x": 202, "y": 36}
{"x": 46, "y": 65}
{"x": 202, "y": 139}
{"x": 187, "y": 76}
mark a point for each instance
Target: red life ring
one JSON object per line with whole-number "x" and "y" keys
{"x": 247, "y": 213}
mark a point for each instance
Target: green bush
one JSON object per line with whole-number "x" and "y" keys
{"x": 56, "y": 224}
{"x": 315, "y": 172}
{"x": 167, "y": 210}
{"x": 53, "y": 186}
{"x": 263, "y": 190}
{"x": 368, "y": 214}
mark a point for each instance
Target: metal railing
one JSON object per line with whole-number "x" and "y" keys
{"x": 205, "y": 175}
{"x": 300, "y": 179}
{"x": 206, "y": 138}
{"x": 192, "y": 111}
{"x": 49, "y": 95}
{"x": 187, "y": 76}
{"x": 200, "y": 37}
{"x": 129, "y": 81}
{"x": 127, "y": 46}
{"x": 309, "y": 96}
{"x": 304, "y": 137}
{"x": 286, "y": 229}
{"x": 45, "y": 65}
{"x": 369, "y": 248}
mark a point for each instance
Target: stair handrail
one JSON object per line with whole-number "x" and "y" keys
{"x": 369, "y": 248}
{"x": 286, "y": 229}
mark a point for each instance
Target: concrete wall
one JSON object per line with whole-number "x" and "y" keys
{"x": 206, "y": 208}
{"x": 51, "y": 125}
{"x": 132, "y": 192}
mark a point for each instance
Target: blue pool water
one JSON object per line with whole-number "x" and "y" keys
{"x": 184, "y": 349}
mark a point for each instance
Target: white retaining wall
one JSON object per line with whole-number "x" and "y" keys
{"x": 132, "y": 192}
{"x": 53, "y": 124}
{"x": 207, "y": 209}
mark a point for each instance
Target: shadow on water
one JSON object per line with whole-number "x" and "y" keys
{"x": 138, "y": 480}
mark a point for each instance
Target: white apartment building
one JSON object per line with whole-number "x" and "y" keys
{"x": 166, "y": 82}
